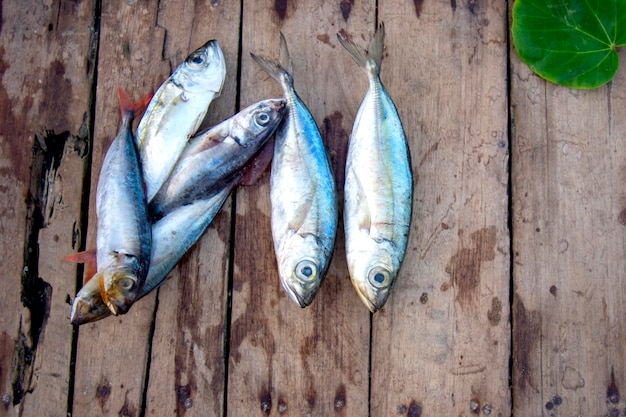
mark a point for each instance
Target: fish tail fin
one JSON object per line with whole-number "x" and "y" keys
{"x": 127, "y": 105}
{"x": 365, "y": 58}
{"x": 274, "y": 70}
{"x": 88, "y": 258}
{"x": 283, "y": 54}
{"x": 280, "y": 71}
{"x": 358, "y": 54}
{"x": 376, "y": 46}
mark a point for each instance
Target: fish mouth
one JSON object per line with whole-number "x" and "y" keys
{"x": 279, "y": 105}
{"x": 116, "y": 306}
{"x": 374, "y": 300}
{"x": 215, "y": 45}
{"x": 297, "y": 294}
{"x": 211, "y": 48}
{"x": 368, "y": 303}
{"x": 78, "y": 311}
{"x": 84, "y": 311}
{"x": 217, "y": 56}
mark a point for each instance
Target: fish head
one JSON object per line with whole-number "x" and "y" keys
{"x": 88, "y": 305}
{"x": 302, "y": 270}
{"x": 374, "y": 274}
{"x": 256, "y": 123}
{"x": 303, "y": 281}
{"x": 119, "y": 289}
{"x": 203, "y": 71}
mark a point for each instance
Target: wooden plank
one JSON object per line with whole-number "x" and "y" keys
{"x": 187, "y": 370}
{"x": 569, "y": 218}
{"x": 41, "y": 196}
{"x": 113, "y": 353}
{"x": 441, "y": 345}
{"x": 285, "y": 360}
{"x": 442, "y": 342}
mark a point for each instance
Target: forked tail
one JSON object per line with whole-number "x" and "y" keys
{"x": 128, "y": 106}
{"x": 280, "y": 71}
{"x": 370, "y": 59}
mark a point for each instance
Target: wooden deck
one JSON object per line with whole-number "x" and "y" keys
{"x": 511, "y": 296}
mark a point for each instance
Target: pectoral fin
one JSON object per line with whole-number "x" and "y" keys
{"x": 88, "y": 258}
{"x": 258, "y": 165}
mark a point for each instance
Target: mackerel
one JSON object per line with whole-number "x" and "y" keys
{"x": 378, "y": 189}
{"x": 302, "y": 192}
{"x": 176, "y": 111}
{"x": 123, "y": 234}
{"x": 173, "y": 236}
{"x": 213, "y": 156}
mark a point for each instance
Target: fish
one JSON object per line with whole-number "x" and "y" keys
{"x": 303, "y": 198}
{"x": 123, "y": 237}
{"x": 378, "y": 187}
{"x": 173, "y": 235}
{"x": 215, "y": 154}
{"x": 176, "y": 111}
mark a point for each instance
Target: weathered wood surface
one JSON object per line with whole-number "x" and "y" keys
{"x": 181, "y": 340}
{"x": 220, "y": 337}
{"x": 568, "y": 166}
{"x": 442, "y": 343}
{"x": 44, "y": 130}
{"x": 285, "y": 360}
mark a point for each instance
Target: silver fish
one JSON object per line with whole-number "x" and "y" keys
{"x": 378, "y": 190}
{"x": 302, "y": 193}
{"x": 175, "y": 112}
{"x": 172, "y": 236}
{"x": 123, "y": 230}
{"x": 214, "y": 155}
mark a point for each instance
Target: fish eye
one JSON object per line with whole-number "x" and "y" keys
{"x": 127, "y": 284}
{"x": 306, "y": 270}
{"x": 379, "y": 277}
{"x": 197, "y": 60}
{"x": 262, "y": 118}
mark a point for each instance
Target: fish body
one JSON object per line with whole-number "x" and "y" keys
{"x": 214, "y": 155}
{"x": 302, "y": 193}
{"x": 123, "y": 234}
{"x": 378, "y": 189}
{"x": 173, "y": 236}
{"x": 176, "y": 111}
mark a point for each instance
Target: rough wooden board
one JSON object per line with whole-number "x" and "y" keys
{"x": 113, "y": 353}
{"x": 111, "y": 362}
{"x": 568, "y": 223}
{"x": 187, "y": 367}
{"x": 568, "y": 204}
{"x": 187, "y": 370}
{"x": 38, "y": 72}
{"x": 441, "y": 345}
{"x": 285, "y": 360}
{"x": 49, "y": 385}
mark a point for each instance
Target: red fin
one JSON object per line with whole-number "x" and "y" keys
{"x": 88, "y": 258}
{"x": 82, "y": 257}
{"x": 126, "y": 104}
{"x": 90, "y": 271}
{"x": 258, "y": 165}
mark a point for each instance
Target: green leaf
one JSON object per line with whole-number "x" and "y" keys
{"x": 570, "y": 42}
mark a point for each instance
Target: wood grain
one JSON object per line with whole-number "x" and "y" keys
{"x": 568, "y": 205}
{"x": 441, "y": 345}
{"x": 44, "y": 100}
{"x": 113, "y": 353}
{"x": 285, "y": 360}
{"x": 187, "y": 370}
